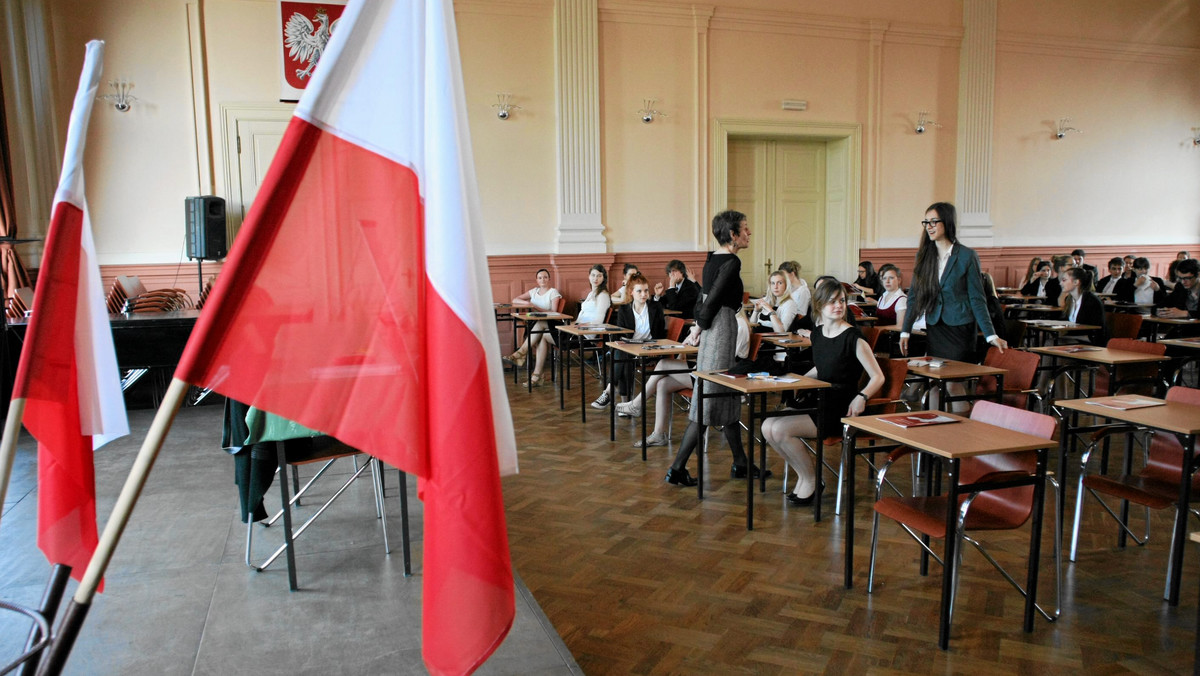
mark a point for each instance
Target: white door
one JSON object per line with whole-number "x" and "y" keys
{"x": 252, "y": 137}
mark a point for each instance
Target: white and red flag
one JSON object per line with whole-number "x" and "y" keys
{"x": 356, "y": 302}
{"x": 68, "y": 369}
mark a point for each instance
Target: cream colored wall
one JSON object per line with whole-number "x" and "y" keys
{"x": 1135, "y": 98}
{"x": 139, "y": 165}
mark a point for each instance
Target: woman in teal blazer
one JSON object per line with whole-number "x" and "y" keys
{"x": 948, "y": 290}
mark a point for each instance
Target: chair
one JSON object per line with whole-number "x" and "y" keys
{"x": 869, "y": 334}
{"x": 1015, "y": 330}
{"x": 1123, "y": 324}
{"x": 19, "y": 303}
{"x": 1000, "y": 509}
{"x": 297, "y": 452}
{"x": 1018, "y": 382}
{"x": 1132, "y": 378}
{"x": 1154, "y": 486}
{"x": 887, "y": 400}
{"x": 674, "y": 328}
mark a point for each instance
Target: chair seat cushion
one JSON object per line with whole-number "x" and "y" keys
{"x": 1139, "y": 490}
{"x": 928, "y": 515}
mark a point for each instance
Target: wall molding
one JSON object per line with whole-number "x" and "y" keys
{"x": 1084, "y": 48}
{"x": 530, "y": 8}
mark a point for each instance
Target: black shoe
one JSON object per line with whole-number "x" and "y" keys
{"x": 680, "y": 477}
{"x": 739, "y": 472}
{"x": 793, "y": 499}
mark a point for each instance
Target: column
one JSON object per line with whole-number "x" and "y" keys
{"x": 577, "y": 76}
{"x": 976, "y": 92}
{"x": 874, "y": 145}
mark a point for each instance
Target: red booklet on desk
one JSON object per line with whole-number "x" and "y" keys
{"x": 920, "y": 419}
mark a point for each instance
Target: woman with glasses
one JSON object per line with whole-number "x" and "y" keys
{"x": 948, "y": 289}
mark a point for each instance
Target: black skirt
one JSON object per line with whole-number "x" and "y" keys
{"x": 952, "y": 342}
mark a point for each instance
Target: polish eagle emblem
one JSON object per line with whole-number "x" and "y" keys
{"x": 306, "y": 42}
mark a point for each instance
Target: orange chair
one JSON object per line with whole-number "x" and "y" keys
{"x": 1123, "y": 324}
{"x": 1018, "y": 382}
{"x": 674, "y": 328}
{"x": 869, "y": 333}
{"x": 1001, "y": 509}
{"x": 1132, "y": 378}
{"x": 1154, "y": 486}
{"x": 887, "y": 400}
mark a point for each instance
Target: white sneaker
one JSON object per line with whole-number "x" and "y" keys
{"x": 623, "y": 409}
{"x": 628, "y": 410}
{"x": 601, "y": 401}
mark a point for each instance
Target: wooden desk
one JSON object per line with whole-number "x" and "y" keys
{"x": 1142, "y": 308}
{"x": 1030, "y": 309}
{"x": 1183, "y": 420}
{"x": 1019, "y": 297}
{"x": 757, "y": 390}
{"x": 953, "y": 442}
{"x": 956, "y": 370}
{"x": 789, "y": 341}
{"x": 583, "y": 333}
{"x": 1167, "y": 323}
{"x": 1057, "y": 328}
{"x": 641, "y": 353}
{"x": 534, "y": 316}
{"x": 672, "y": 313}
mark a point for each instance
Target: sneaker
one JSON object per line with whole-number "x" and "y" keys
{"x": 652, "y": 440}
{"x": 601, "y": 401}
{"x": 628, "y": 410}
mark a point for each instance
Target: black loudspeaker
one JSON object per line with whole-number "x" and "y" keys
{"x": 205, "y": 227}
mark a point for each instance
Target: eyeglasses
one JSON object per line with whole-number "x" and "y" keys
{"x": 1185, "y": 278}
{"x": 932, "y": 221}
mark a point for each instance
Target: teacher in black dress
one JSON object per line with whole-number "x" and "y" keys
{"x": 715, "y": 331}
{"x": 948, "y": 289}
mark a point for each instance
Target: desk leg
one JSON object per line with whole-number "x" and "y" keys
{"x": 698, "y": 393}
{"x": 1179, "y": 538}
{"x": 562, "y": 379}
{"x": 1000, "y": 388}
{"x": 583, "y": 379}
{"x": 1035, "y": 540}
{"x": 1064, "y": 441}
{"x": 750, "y": 465}
{"x": 848, "y": 453}
{"x": 612, "y": 395}
{"x": 762, "y": 448}
{"x": 949, "y": 556}
{"x": 1127, "y": 469}
{"x": 289, "y": 545}
{"x": 821, "y": 432}
{"x": 1112, "y": 379}
{"x": 642, "y": 364}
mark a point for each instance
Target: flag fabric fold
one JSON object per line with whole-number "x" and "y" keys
{"x": 68, "y": 368}
{"x": 355, "y": 301}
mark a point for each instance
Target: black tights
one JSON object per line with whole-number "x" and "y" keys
{"x": 691, "y": 439}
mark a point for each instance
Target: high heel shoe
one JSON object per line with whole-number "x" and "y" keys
{"x": 798, "y": 501}
{"x": 535, "y": 380}
{"x": 517, "y": 358}
{"x": 680, "y": 477}
{"x": 739, "y": 472}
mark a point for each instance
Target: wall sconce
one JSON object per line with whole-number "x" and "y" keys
{"x": 923, "y": 120}
{"x": 122, "y": 100}
{"x": 1064, "y": 128}
{"x": 648, "y": 111}
{"x": 504, "y": 105}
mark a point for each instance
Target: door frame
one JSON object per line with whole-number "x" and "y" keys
{"x": 231, "y": 115}
{"x": 843, "y": 184}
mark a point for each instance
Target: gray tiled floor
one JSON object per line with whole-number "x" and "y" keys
{"x": 180, "y": 599}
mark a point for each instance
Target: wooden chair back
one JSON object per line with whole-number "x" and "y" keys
{"x": 674, "y": 328}
{"x": 1009, "y": 507}
{"x": 1123, "y": 324}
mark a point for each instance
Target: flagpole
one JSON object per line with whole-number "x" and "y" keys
{"x": 8, "y": 444}
{"x": 56, "y": 654}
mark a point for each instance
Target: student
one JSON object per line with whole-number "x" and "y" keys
{"x": 948, "y": 290}
{"x": 800, "y": 291}
{"x": 1116, "y": 275}
{"x": 1042, "y": 286}
{"x": 1078, "y": 257}
{"x": 774, "y": 312}
{"x": 868, "y": 281}
{"x": 841, "y": 357}
{"x": 1145, "y": 289}
{"x": 715, "y": 331}
{"x": 541, "y": 298}
{"x": 1184, "y": 300}
{"x": 1029, "y": 273}
{"x": 593, "y": 309}
{"x": 1129, "y": 259}
{"x": 995, "y": 309}
{"x": 682, "y": 293}
{"x": 893, "y": 302}
{"x": 645, "y": 317}
{"x": 1083, "y": 306}
{"x": 1171, "y": 269}
{"x": 621, "y": 295}
{"x": 661, "y": 387}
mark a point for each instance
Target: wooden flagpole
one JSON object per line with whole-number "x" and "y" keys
{"x": 8, "y": 444}
{"x": 56, "y": 654}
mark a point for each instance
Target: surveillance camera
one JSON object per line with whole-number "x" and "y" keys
{"x": 1059, "y": 134}
{"x": 921, "y": 130}
{"x": 502, "y": 114}
{"x": 647, "y": 118}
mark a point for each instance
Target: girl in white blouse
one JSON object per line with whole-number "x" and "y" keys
{"x": 775, "y": 311}
{"x": 594, "y": 308}
{"x": 542, "y": 298}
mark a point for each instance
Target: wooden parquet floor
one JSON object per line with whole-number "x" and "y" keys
{"x": 639, "y": 577}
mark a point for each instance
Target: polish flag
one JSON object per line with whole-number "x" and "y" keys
{"x": 356, "y": 302}
{"x": 68, "y": 369}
